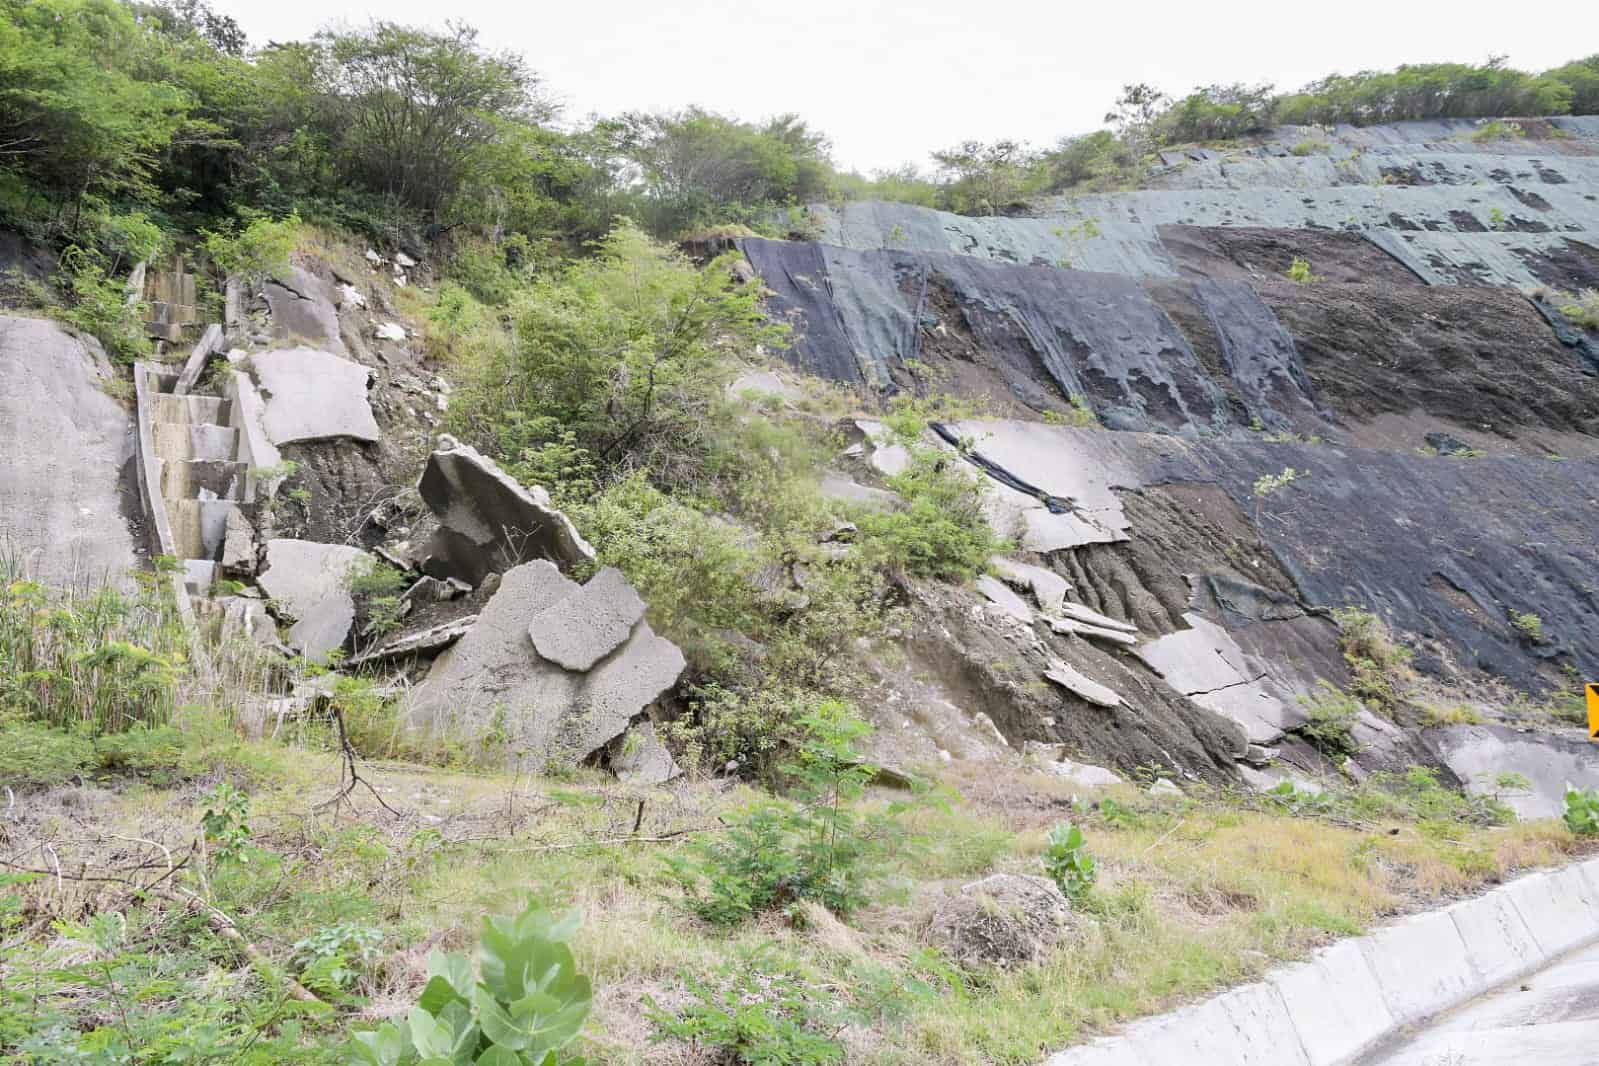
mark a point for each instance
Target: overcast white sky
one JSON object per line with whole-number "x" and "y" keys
{"x": 890, "y": 81}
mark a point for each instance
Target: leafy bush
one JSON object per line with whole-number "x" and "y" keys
{"x": 1582, "y": 310}
{"x": 1299, "y": 271}
{"x": 1528, "y": 625}
{"x": 942, "y": 530}
{"x": 37, "y": 755}
{"x": 1067, "y": 862}
{"x": 758, "y": 1009}
{"x": 1582, "y": 811}
{"x": 817, "y": 847}
{"x": 98, "y": 306}
{"x": 1381, "y": 666}
{"x": 226, "y": 823}
{"x": 260, "y": 250}
{"x": 1333, "y": 714}
{"x": 526, "y": 1006}
{"x": 1417, "y": 794}
{"x": 333, "y": 959}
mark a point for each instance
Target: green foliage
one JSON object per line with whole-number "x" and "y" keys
{"x": 757, "y": 1009}
{"x": 258, "y": 251}
{"x": 1271, "y": 484}
{"x": 1067, "y": 862}
{"x": 1332, "y": 716}
{"x": 525, "y": 1007}
{"x": 1497, "y": 130}
{"x": 1582, "y": 310}
{"x": 1380, "y": 665}
{"x": 1582, "y": 811}
{"x": 986, "y": 178}
{"x": 1299, "y": 272}
{"x": 1528, "y": 625}
{"x": 98, "y": 306}
{"x": 334, "y": 959}
{"x": 942, "y": 530}
{"x": 1417, "y": 795}
{"x": 816, "y": 847}
{"x": 37, "y": 755}
{"x": 71, "y": 659}
{"x": 226, "y": 823}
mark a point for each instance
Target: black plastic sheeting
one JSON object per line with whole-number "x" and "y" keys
{"x": 1099, "y": 336}
{"x": 1261, "y": 357}
{"x": 1577, "y": 340}
{"x": 1055, "y": 504}
{"x": 1411, "y": 536}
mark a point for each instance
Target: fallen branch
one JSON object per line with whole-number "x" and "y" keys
{"x": 349, "y": 776}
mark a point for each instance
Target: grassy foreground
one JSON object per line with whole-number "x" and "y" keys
{"x": 343, "y": 901}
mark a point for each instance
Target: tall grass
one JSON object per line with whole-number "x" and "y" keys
{"x": 98, "y": 659}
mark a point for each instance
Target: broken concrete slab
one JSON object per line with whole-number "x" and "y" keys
{"x": 65, "y": 441}
{"x": 1077, "y": 612}
{"x": 587, "y": 626}
{"x": 238, "y": 545}
{"x": 390, "y": 331}
{"x": 421, "y": 642}
{"x": 638, "y": 757}
{"x": 313, "y": 395}
{"x": 1069, "y": 627}
{"x": 248, "y": 619}
{"x": 310, "y": 582}
{"x": 1048, "y": 588}
{"x": 1081, "y": 685}
{"x": 1000, "y": 595}
{"x": 493, "y": 679}
{"x": 1204, "y": 663}
{"x": 887, "y": 457}
{"x": 758, "y": 383}
{"x": 487, "y": 521}
{"x": 303, "y": 309}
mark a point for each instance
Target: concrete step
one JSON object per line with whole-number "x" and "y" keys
{"x": 199, "y": 527}
{"x": 177, "y": 442}
{"x": 189, "y": 410}
{"x": 184, "y": 479}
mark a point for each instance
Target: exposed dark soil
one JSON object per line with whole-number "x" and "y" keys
{"x": 1253, "y": 253}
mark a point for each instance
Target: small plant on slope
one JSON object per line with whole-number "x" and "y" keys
{"x": 1528, "y": 625}
{"x": 1299, "y": 271}
{"x": 527, "y": 1004}
{"x": 1582, "y": 811}
{"x": 1067, "y": 862}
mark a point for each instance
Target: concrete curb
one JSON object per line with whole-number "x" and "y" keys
{"x": 1357, "y": 993}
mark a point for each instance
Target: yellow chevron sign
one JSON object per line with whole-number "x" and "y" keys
{"x": 1593, "y": 711}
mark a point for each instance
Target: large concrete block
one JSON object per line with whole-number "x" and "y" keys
{"x": 311, "y": 582}
{"x": 588, "y": 625}
{"x": 1421, "y": 965}
{"x": 313, "y": 395}
{"x": 304, "y": 309}
{"x": 1335, "y": 1004}
{"x": 1500, "y": 945}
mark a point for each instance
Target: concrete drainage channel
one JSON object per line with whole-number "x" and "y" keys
{"x": 1362, "y": 994}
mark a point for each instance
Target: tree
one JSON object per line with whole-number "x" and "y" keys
{"x": 1133, "y": 117}
{"x": 985, "y": 178}
{"x": 413, "y": 111}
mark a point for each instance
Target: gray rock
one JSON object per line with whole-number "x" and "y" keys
{"x": 1003, "y": 920}
{"x": 763, "y": 383}
{"x": 488, "y": 522}
{"x": 494, "y": 679}
{"x": 247, "y": 619}
{"x": 390, "y": 331}
{"x": 303, "y": 309}
{"x": 1165, "y": 787}
{"x": 1080, "y": 684}
{"x": 836, "y": 486}
{"x": 1068, "y": 627}
{"x": 587, "y": 626}
{"x": 1077, "y": 612}
{"x": 64, "y": 442}
{"x": 1084, "y": 775}
{"x": 311, "y": 583}
{"x": 639, "y": 758}
{"x": 313, "y": 395}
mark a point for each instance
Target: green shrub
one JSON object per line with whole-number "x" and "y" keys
{"x": 942, "y": 530}
{"x": 758, "y": 1009}
{"x": 1417, "y": 795}
{"x": 225, "y": 820}
{"x": 1582, "y": 811}
{"x": 1332, "y": 717}
{"x": 1380, "y": 665}
{"x": 817, "y": 847}
{"x": 1582, "y": 310}
{"x": 37, "y": 755}
{"x": 1528, "y": 625}
{"x": 525, "y": 1008}
{"x": 1299, "y": 271}
{"x": 98, "y": 306}
{"x": 1067, "y": 862}
{"x": 260, "y": 250}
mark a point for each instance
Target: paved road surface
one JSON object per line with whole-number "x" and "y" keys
{"x": 1555, "y": 1022}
